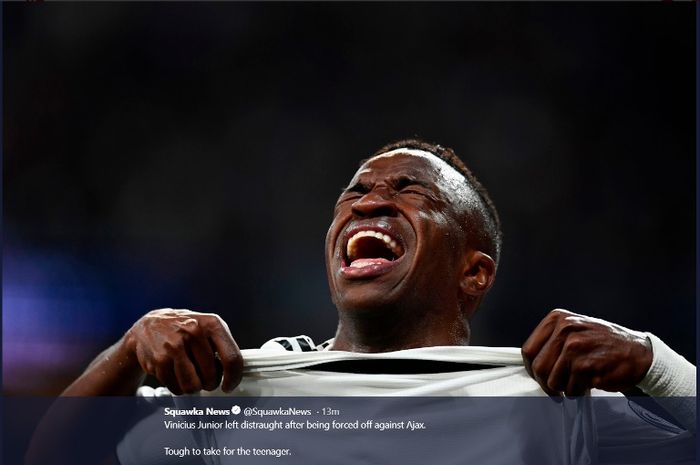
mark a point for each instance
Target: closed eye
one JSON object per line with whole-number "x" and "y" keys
{"x": 357, "y": 188}
{"x": 405, "y": 182}
{"x": 353, "y": 192}
{"x": 407, "y": 185}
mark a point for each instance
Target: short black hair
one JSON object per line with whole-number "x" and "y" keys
{"x": 490, "y": 236}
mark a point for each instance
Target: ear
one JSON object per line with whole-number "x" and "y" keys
{"x": 478, "y": 275}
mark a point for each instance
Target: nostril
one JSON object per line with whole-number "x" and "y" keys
{"x": 386, "y": 210}
{"x": 369, "y": 207}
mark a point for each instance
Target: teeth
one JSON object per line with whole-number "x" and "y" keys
{"x": 391, "y": 243}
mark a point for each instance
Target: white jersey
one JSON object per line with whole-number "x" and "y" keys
{"x": 617, "y": 433}
{"x": 275, "y": 370}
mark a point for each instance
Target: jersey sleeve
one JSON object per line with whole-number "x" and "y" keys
{"x": 671, "y": 381}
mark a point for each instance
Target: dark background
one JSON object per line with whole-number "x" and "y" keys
{"x": 189, "y": 155}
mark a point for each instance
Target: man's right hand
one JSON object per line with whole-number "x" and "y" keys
{"x": 186, "y": 351}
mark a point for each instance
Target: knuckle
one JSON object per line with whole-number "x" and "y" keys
{"x": 558, "y": 313}
{"x": 167, "y": 313}
{"x": 158, "y": 313}
{"x": 210, "y": 321}
{"x": 188, "y": 328}
{"x": 527, "y": 352}
{"x": 216, "y": 325}
{"x": 569, "y": 325}
{"x": 584, "y": 365}
{"x": 161, "y": 359}
{"x": 574, "y": 344}
{"x": 173, "y": 347}
{"x": 561, "y": 311}
{"x": 179, "y": 311}
{"x": 191, "y": 326}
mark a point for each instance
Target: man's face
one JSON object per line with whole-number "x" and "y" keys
{"x": 398, "y": 234}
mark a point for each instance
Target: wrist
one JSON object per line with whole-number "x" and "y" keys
{"x": 115, "y": 372}
{"x": 126, "y": 346}
{"x": 124, "y": 358}
{"x": 644, "y": 359}
{"x": 670, "y": 374}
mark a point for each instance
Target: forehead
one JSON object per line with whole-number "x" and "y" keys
{"x": 418, "y": 164}
{"x": 425, "y": 167}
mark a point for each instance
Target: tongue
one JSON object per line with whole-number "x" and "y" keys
{"x": 363, "y": 262}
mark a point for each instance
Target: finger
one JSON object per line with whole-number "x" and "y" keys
{"x": 165, "y": 373}
{"x": 546, "y": 387}
{"x": 565, "y": 378}
{"x": 581, "y": 376}
{"x": 579, "y": 385}
{"x": 543, "y": 377}
{"x": 557, "y": 347}
{"x": 538, "y": 338}
{"x": 231, "y": 359}
{"x": 558, "y": 379}
{"x": 196, "y": 346}
{"x": 186, "y": 375}
{"x": 202, "y": 355}
{"x": 543, "y": 365}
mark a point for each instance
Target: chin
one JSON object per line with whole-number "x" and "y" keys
{"x": 366, "y": 302}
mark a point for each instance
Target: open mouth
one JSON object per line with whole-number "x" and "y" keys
{"x": 370, "y": 248}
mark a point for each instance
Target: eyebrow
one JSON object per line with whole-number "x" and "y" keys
{"x": 411, "y": 180}
{"x": 354, "y": 187}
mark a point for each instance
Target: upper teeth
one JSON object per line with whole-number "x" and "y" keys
{"x": 391, "y": 243}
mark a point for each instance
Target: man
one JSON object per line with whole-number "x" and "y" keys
{"x": 412, "y": 251}
{"x": 416, "y": 281}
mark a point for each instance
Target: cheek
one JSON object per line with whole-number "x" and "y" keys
{"x": 332, "y": 234}
{"x": 438, "y": 223}
{"x": 329, "y": 235}
{"x": 443, "y": 235}
{"x": 433, "y": 217}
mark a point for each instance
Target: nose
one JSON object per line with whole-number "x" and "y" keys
{"x": 375, "y": 203}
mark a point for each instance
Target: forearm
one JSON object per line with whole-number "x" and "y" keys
{"x": 115, "y": 372}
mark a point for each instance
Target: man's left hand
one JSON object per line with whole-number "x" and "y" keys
{"x": 570, "y": 354}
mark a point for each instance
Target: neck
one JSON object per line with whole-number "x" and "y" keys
{"x": 358, "y": 332}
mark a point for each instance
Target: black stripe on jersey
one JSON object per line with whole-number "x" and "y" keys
{"x": 397, "y": 367}
{"x": 304, "y": 344}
